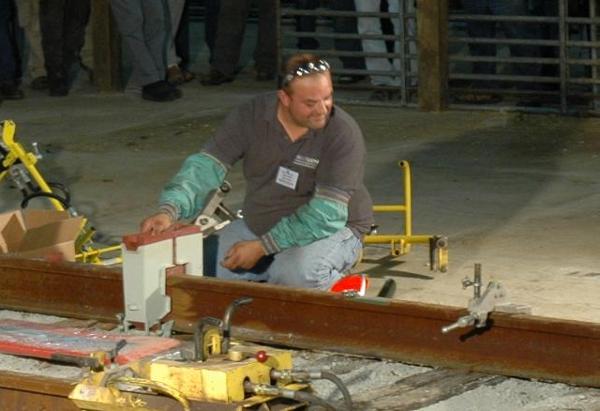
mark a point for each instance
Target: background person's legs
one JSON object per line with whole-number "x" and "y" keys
{"x": 265, "y": 52}
{"x": 130, "y": 16}
{"x": 52, "y": 16}
{"x": 372, "y": 26}
{"x": 8, "y": 62}
{"x": 29, "y": 20}
{"x": 175, "y": 12}
{"x": 211, "y": 19}
{"x": 230, "y": 35}
{"x": 77, "y": 14}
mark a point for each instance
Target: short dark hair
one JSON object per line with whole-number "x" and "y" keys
{"x": 301, "y": 64}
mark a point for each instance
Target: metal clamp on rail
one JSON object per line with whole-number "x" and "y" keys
{"x": 481, "y": 305}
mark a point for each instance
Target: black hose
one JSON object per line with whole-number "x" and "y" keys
{"x": 275, "y": 391}
{"x": 64, "y": 191}
{"x": 306, "y": 376}
{"x": 341, "y": 386}
{"x": 58, "y": 198}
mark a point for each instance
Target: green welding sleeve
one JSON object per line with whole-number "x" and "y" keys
{"x": 184, "y": 196}
{"x": 319, "y": 218}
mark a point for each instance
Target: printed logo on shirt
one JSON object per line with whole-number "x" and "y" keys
{"x": 307, "y": 162}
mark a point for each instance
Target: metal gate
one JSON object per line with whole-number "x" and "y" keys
{"x": 540, "y": 57}
{"x": 372, "y": 50}
{"x": 544, "y": 60}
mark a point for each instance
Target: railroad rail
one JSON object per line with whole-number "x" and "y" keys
{"x": 513, "y": 345}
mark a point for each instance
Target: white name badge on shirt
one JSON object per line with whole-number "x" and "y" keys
{"x": 287, "y": 178}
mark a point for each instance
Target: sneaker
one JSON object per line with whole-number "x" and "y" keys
{"x": 215, "y": 78}
{"x": 160, "y": 91}
{"x": 10, "y": 91}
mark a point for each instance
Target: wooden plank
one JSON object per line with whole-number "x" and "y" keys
{"x": 420, "y": 390}
{"x": 432, "y": 34}
{"x": 107, "y": 47}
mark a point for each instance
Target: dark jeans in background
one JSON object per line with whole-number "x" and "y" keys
{"x": 63, "y": 23}
{"x": 230, "y": 36}
{"x": 211, "y": 20}
{"x": 8, "y": 65}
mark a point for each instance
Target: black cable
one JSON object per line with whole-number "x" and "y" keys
{"x": 66, "y": 194}
{"x": 341, "y": 386}
{"x": 306, "y": 376}
{"x": 300, "y": 396}
{"x": 58, "y": 198}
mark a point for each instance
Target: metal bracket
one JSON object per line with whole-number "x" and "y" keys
{"x": 215, "y": 215}
{"x": 481, "y": 305}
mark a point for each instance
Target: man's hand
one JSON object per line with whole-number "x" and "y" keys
{"x": 243, "y": 255}
{"x": 156, "y": 223}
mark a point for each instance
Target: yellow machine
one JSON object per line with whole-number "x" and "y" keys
{"x": 20, "y": 165}
{"x": 400, "y": 243}
{"x": 220, "y": 375}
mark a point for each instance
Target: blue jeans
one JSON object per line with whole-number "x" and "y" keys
{"x": 317, "y": 265}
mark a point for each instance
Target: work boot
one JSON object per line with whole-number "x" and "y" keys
{"x": 160, "y": 91}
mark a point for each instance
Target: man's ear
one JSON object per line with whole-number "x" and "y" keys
{"x": 284, "y": 98}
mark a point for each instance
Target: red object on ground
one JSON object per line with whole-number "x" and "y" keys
{"x": 352, "y": 283}
{"x": 45, "y": 341}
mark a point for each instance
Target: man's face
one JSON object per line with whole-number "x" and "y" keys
{"x": 309, "y": 100}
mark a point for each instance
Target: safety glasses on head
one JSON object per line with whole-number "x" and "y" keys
{"x": 305, "y": 69}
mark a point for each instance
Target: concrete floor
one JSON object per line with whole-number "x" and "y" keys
{"x": 517, "y": 193}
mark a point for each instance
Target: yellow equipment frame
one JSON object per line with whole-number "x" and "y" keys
{"x": 85, "y": 251}
{"x": 400, "y": 243}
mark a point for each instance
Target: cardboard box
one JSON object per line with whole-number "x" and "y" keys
{"x": 39, "y": 233}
